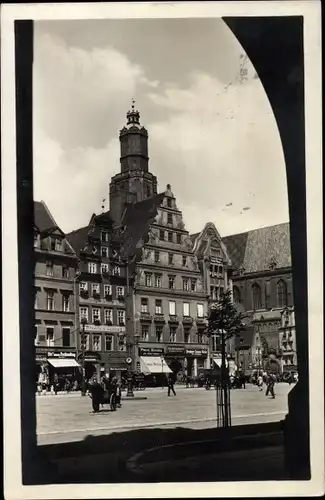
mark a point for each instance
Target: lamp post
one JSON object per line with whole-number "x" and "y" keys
{"x": 162, "y": 370}
{"x": 83, "y": 348}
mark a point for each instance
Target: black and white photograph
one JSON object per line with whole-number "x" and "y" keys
{"x": 162, "y": 250}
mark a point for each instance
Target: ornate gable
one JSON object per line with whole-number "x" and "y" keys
{"x": 208, "y": 244}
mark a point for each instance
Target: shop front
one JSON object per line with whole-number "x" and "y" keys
{"x": 63, "y": 365}
{"x": 153, "y": 365}
{"x": 175, "y": 357}
{"x": 114, "y": 363}
{"x": 196, "y": 360}
{"x": 91, "y": 362}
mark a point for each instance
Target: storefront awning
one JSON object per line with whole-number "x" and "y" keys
{"x": 218, "y": 362}
{"x": 63, "y": 362}
{"x": 154, "y": 364}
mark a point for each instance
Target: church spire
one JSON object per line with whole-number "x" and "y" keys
{"x": 133, "y": 116}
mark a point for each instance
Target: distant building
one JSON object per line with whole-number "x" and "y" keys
{"x": 262, "y": 286}
{"x": 101, "y": 289}
{"x": 55, "y": 307}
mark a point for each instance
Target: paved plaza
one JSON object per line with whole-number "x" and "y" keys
{"x": 67, "y": 418}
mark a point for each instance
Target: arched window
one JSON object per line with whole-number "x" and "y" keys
{"x": 236, "y": 295}
{"x": 257, "y": 296}
{"x": 281, "y": 293}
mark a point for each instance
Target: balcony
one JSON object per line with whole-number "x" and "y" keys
{"x": 96, "y": 321}
{"x": 121, "y": 298}
{"x": 96, "y": 295}
{"x": 108, "y": 297}
{"x": 200, "y": 321}
{"x": 108, "y": 322}
{"x": 84, "y": 294}
{"x": 173, "y": 318}
{"x": 188, "y": 320}
{"x": 145, "y": 315}
{"x": 121, "y": 322}
{"x": 159, "y": 318}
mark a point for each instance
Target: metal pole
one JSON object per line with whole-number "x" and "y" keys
{"x": 224, "y": 381}
{"x": 128, "y": 311}
{"x": 83, "y": 381}
{"x": 162, "y": 372}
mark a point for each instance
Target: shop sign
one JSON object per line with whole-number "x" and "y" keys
{"x": 196, "y": 352}
{"x": 61, "y": 355}
{"x": 41, "y": 357}
{"x": 175, "y": 349}
{"x": 151, "y": 351}
{"x": 105, "y": 328}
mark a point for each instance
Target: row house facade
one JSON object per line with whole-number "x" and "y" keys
{"x": 54, "y": 288}
{"x": 101, "y": 287}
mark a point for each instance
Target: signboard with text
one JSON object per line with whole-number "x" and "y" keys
{"x": 61, "y": 355}
{"x": 196, "y": 352}
{"x": 105, "y": 328}
{"x": 151, "y": 351}
{"x": 175, "y": 349}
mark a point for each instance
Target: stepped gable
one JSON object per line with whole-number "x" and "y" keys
{"x": 136, "y": 222}
{"x": 43, "y": 219}
{"x": 261, "y": 249}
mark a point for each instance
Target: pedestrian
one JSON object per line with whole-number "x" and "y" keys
{"x": 171, "y": 386}
{"x": 260, "y": 382}
{"x": 270, "y": 385}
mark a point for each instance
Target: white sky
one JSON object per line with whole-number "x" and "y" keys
{"x": 212, "y": 133}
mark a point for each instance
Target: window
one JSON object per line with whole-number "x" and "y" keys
{"x": 49, "y": 268}
{"x": 104, "y": 236}
{"x": 92, "y": 267}
{"x": 170, "y": 259}
{"x": 108, "y": 343}
{"x": 169, "y": 218}
{"x": 161, "y": 235}
{"x": 50, "y": 336}
{"x": 108, "y": 316}
{"x": 96, "y": 342}
{"x": 186, "y": 308}
{"x": 144, "y": 305}
{"x": 157, "y": 260}
{"x": 95, "y": 289}
{"x": 158, "y": 306}
{"x": 50, "y": 300}
{"x": 193, "y": 285}
{"x": 120, "y": 291}
{"x": 148, "y": 280}
{"x": 65, "y": 303}
{"x": 281, "y": 292}
{"x": 169, "y": 202}
{"x": 157, "y": 280}
{"x": 116, "y": 271}
{"x": 65, "y": 272}
{"x": 122, "y": 343}
{"x": 83, "y": 311}
{"x": 184, "y": 260}
{"x": 96, "y": 315}
{"x": 121, "y": 317}
{"x": 145, "y": 332}
{"x": 171, "y": 281}
{"x": 104, "y": 268}
{"x": 108, "y": 291}
{"x": 200, "y": 310}
{"x": 66, "y": 337}
{"x": 172, "y": 334}
{"x": 172, "y": 308}
{"x": 104, "y": 251}
{"x": 185, "y": 284}
{"x": 179, "y": 238}
{"x": 58, "y": 245}
{"x": 257, "y": 296}
{"x": 170, "y": 237}
{"x": 159, "y": 333}
{"x": 83, "y": 286}
{"x": 200, "y": 337}
{"x": 86, "y": 338}
{"x": 236, "y": 294}
{"x": 187, "y": 336}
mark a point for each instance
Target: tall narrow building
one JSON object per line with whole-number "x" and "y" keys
{"x": 134, "y": 182}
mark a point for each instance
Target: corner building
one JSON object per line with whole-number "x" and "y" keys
{"x": 169, "y": 302}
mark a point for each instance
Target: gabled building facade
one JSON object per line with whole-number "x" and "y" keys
{"x": 55, "y": 291}
{"x": 169, "y": 303}
{"x": 101, "y": 283}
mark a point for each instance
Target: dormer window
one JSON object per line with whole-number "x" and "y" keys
{"x": 104, "y": 236}
{"x": 58, "y": 245}
{"x": 169, "y": 202}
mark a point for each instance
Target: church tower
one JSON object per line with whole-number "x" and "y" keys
{"x": 134, "y": 182}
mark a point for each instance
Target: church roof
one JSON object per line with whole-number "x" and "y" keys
{"x": 43, "y": 218}
{"x": 257, "y": 250}
{"x": 194, "y": 236}
{"x": 137, "y": 219}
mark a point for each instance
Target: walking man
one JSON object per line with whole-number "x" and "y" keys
{"x": 171, "y": 385}
{"x": 270, "y": 386}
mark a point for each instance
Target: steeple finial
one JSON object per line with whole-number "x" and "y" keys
{"x": 133, "y": 116}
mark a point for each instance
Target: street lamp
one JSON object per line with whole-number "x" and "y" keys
{"x": 83, "y": 348}
{"x": 162, "y": 370}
